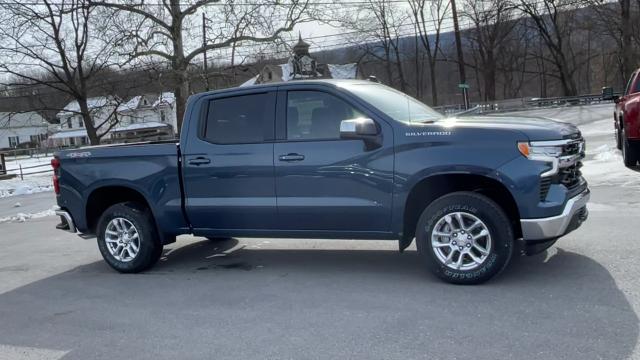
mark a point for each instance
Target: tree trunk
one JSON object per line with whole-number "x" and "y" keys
{"x": 627, "y": 49}
{"x": 89, "y": 126}
{"x": 182, "y": 94}
{"x": 434, "y": 86}
{"x": 489, "y": 74}
{"x": 403, "y": 86}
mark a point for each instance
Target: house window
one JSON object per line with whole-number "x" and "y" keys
{"x": 83, "y": 141}
{"x": 80, "y": 123}
{"x": 69, "y": 123}
{"x": 163, "y": 116}
{"x": 72, "y": 141}
{"x": 14, "y": 141}
{"x": 270, "y": 75}
{"x": 34, "y": 139}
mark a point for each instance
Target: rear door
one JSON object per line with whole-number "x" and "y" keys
{"x": 325, "y": 183}
{"x": 228, "y": 164}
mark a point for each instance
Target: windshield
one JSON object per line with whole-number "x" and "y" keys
{"x": 397, "y": 105}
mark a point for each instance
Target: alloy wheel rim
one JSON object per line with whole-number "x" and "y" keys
{"x": 461, "y": 241}
{"x": 122, "y": 239}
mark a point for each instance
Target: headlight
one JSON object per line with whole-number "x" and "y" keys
{"x": 536, "y": 152}
{"x": 547, "y": 153}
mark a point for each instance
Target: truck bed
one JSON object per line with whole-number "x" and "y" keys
{"x": 151, "y": 169}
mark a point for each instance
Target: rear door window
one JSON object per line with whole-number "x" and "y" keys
{"x": 242, "y": 119}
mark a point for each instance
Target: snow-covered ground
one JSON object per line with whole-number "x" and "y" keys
{"x": 34, "y": 181}
{"x": 29, "y": 164}
{"x": 30, "y": 185}
{"x": 22, "y": 217}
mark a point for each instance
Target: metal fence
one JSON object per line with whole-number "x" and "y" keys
{"x": 23, "y": 171}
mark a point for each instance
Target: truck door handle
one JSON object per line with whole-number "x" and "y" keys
{"x": 199, "y": 161}
{"x": 291, "y": 157}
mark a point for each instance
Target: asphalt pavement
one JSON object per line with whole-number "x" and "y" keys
{"x": 312, "y": 299}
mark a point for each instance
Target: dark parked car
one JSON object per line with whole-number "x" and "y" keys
{"x": 332, "y": 159}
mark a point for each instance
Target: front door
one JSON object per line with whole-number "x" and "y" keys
{"x": 324, "y": 183}
{"x": 228, "y": 168}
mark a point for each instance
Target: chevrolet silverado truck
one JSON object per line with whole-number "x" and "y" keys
{"x": 339, "y": 159}
{"x": 626, "y": 121}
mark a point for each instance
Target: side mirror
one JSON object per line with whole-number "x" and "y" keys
{"x": 361, "y": 129}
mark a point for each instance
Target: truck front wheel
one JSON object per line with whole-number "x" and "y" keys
{"x": 127, "y": 238}
{"x": 464, "y": 238}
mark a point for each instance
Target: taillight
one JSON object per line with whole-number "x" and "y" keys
{"x": 56, "y": 185}
{"x": 55, "y": 164}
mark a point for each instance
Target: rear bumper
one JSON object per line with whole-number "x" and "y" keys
{"x": 67, "y": 223}
{"x": 574, "y": 213}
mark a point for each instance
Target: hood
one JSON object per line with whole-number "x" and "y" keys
{"x": 535, "y": 128}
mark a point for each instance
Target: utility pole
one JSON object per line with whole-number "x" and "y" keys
{"x": 463, "y": 77}
{"x": 204, "y": 53}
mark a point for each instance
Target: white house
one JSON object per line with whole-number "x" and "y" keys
{"x": 71, "y": 131}
{"x": 143, "y": 117}
{"x": 149, "y": 108}
{"x": 19, "y": 128}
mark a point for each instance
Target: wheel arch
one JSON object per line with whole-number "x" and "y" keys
{"x": 103, "y": 197}
{"x": 432, "y": 187}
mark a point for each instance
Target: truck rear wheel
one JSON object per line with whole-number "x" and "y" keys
{"x": 464, "y": 238}
{"x": 127, "y": 238}
{"x": 629, "y": 150}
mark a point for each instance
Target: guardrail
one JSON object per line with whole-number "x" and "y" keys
{"x": 527, "y": 103}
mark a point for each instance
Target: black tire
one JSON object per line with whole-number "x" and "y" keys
{"x": 484, "y": 209}
{"x": 618, "y": 135}
{"x": 629, "y": 150}
{"x": 150, "y": 248}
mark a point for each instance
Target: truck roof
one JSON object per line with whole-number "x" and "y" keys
{"x": 293, "y": 83}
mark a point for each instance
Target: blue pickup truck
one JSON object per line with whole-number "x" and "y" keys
{"x": 332, "y": 159}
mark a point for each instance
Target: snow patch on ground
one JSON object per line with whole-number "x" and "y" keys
{"x": 30, "y": 185}
{"x": 606, "y": 168}
{"x": 22, "y": 217}
{"x": 596, "y": 128}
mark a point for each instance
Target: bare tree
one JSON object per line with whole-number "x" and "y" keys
{"x": 554, "y": 23}
{"x": 167, "y": 30}
{"x": 376, "y": 30}
{"x": 492, "y": 23}
{"x": 428, "y": 16}
{"x": 54, "y": 46}
{"x": 619, "y": 22}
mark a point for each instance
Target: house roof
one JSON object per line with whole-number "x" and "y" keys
{"x": 25, "y": 119}
{"x": 68, "y": 134}
{"x": 73, "y": 107}
{"x": 154, "y": 100}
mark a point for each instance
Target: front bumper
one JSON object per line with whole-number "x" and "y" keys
{"x": 574, "y": 213}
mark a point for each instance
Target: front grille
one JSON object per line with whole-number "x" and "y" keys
{"x": 569, "y": 173}
{"x": 570, "y": 176}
